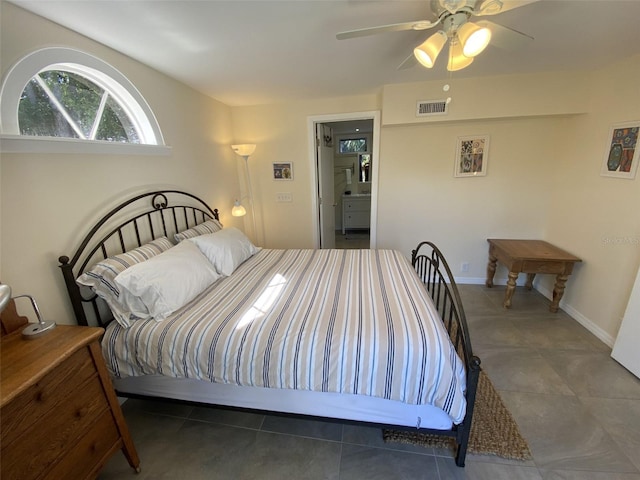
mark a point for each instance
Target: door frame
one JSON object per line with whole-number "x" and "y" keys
{"x": 375, "y": 151}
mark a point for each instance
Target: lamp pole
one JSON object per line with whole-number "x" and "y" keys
{"x": 253, "y": 210}
{"x": 245, "y": 151}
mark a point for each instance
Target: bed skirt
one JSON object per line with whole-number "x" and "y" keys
{"x": 303, "y": 402}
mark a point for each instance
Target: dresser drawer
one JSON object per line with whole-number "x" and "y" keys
{"x": 357, "y": 220}
{"x": 35, "y": 450}
{"x": 35, "y": 403}
{"x": 353, "y": 205}
{"x": 90, "y": 452}
{"x": 532, "y": 266}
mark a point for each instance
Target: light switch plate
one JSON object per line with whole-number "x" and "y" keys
{"x": 284, "y": 197}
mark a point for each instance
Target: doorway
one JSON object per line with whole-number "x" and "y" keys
{"x": 345, "y": 162}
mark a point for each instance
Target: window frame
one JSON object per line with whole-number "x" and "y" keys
{"x": 358, "y": 136}
{"x": 99, "y": 72}
{"x": 356, "y": 155}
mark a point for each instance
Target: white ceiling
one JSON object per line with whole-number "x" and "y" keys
{"x": 245, "y": 52}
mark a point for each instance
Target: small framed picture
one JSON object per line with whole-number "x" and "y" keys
{"x": 472, "y": 156}
{"x": 622, "y": 151}
{"x": 283, "y": 171}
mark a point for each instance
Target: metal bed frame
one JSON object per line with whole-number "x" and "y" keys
{"x": 172, "y": 211}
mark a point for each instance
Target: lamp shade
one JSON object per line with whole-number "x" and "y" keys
{"x": 238, "y": 210}
{"x": 427, "y": 52}
{"x": 474, "y": 39}
{"x": 244, "y": 150}
{"x": 457, "y": 61}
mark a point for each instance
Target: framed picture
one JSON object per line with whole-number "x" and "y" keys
{"x": 621, "y": 155}
{"x": 283, "y": 171}
{"x": 472, "y": 156}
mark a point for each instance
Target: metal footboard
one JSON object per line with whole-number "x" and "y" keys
{"x": 433, "y": 270}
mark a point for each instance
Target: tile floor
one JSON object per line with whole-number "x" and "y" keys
{"x": 353, "y": 239}
{"x": 579, "y": 410}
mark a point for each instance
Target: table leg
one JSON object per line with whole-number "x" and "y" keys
{"x": 558, "y": 291}
{"x": 511, "y": 287}
{"x": 491, "y": 270}
{"x": 530, "y": 277}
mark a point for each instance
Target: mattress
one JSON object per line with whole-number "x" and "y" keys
{"x": 352, "y": 323}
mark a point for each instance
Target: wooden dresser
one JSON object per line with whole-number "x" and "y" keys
{"x": 59, "y": 417}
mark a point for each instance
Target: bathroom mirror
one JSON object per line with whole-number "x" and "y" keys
{"x": 364, "y": 164}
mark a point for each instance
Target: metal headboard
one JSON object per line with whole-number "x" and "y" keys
{"x": 131, "y": 224}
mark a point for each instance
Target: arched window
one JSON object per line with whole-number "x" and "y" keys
{"x": 65, "y": 93}
{"x": 63, "y": 103}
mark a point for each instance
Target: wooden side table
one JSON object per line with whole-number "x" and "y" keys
{"x": 530, "y": 257}
{"x": 59, "y": 415}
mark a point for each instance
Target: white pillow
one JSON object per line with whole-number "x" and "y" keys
{"x": 226, "y": 249}
{"x": 168, "y": 281}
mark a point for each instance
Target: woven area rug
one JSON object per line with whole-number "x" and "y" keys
{"x": 493, "y": 429}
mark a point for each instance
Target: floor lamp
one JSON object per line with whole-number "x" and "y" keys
{"x": 245, "y": 151}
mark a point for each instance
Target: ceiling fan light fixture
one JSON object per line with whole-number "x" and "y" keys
{"x": 457, "y": 60}
{"x": 474, "y": 39}
{"x": 427, "y": 52}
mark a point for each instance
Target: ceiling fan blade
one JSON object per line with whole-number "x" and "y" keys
{"x": 395, "y": 27}
{"x": 408, "y": 62}
{"x": 505, "y": 37}
{"x": 494, "y": 7}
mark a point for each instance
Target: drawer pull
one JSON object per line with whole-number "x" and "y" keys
{"x": 81, "y": 412}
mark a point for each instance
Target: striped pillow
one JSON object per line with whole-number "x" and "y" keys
{"x": 210, "y": 226}
{"x": 100, "y": 278}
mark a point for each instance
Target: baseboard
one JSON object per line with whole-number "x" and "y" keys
{"x": 579, "y": 317}
{"x": 469, "y": 280}
{"x": 482, "y": 280}
{"x": 572, "y": 312}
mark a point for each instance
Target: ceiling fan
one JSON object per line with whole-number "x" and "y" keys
{"x": 466, "y": 39}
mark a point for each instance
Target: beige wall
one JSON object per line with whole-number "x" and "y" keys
{"x": 420, "y": 199}
{"x": 281, "y": 133}
{"x": 598, "y": 216}
{"x": 49, "y": 201}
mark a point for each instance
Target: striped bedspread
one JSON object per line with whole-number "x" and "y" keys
{"x": 345, "y": 321}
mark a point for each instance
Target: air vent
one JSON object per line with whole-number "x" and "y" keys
{"x": 431, "y": 107}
